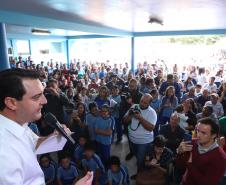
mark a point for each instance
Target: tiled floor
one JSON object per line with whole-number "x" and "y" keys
{"x": 121, "y": 150}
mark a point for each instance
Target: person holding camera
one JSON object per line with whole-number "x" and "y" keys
{"x": 143, "y": 119}
{"x": 131, "y": 96}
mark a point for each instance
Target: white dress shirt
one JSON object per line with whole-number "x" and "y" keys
{"x": 18, "y": 162}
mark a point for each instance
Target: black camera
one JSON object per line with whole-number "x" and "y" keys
{"x": 134, "y": 110}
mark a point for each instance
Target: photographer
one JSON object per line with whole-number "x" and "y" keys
{"x": 56, "y": 100}
{"x": 143, "y": 119}
{"x": 130, "y": 96}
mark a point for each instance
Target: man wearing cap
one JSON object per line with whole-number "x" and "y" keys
{"x": 217, "y": 106}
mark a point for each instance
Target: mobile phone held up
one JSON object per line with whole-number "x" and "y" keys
{"x": 187, "y": 137}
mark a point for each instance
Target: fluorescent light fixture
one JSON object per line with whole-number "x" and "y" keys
{"x": 40, "y": 32}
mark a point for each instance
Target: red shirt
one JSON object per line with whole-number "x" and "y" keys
{"x": 205, "y": 169}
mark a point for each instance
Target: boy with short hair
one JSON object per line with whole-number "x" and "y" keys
{"x": 103, "y": 128}
{"x": 92, "y": 162}
{"x": 79, "y": 149}
{"x": 115, "y": 112}
{"x": 91, "y": 120}
{"x": 67, "y": 174}
{"x": 117, "y": 173}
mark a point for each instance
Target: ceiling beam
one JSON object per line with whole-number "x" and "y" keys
{"x": 183, "y": 32}
{"x": 44, "y": 22}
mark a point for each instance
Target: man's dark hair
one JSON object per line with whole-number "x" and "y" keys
{"x": 89, "y": 146}
{"x": 198, "y": 86}
{"x": 51, "y": 82}
{"x": 169, "y": 77}
{"x": 114, "y": 160}
{"x": 209, "y": 108}
{"x": 11, "y": 83}
{"x": 159, "y": 141}
{"x": 153, "y": 92}
{"x": 209, "y": 121}
{"x": 45, "y": 155}
{"x": 179, "y": 108}
{"x": 83, "y": 135}
{"x": 92, "y": 105}
{"x": 149, "y": 80}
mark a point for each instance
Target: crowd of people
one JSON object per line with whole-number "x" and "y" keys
{"x": 175, "y": 122}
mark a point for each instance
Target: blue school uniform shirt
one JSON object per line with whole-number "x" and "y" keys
{"x": 101, "y": 102}
{"x": 79, "y": 152}
{"x": 90, "y": 122}
{"x": 49, "y": 172}
{"x": 93, "y": 164}
{"x": 67, "y": 176}
{"x": 167, "y": 111}
{"x": 155, "y": 104}
{"x": 102, "y": 74}
{"x": 104, "y": 124}
{"x": 120, "y": 177}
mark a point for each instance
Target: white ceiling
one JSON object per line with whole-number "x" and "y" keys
{"x": 122, "y": 15}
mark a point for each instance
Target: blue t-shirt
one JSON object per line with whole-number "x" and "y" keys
{"x": 93, "y": 164}
{"x": 79, "y": 152}
{"x": 90, "y": 122}
{"x": 167, "y": 111}
{"x": 67, "y": 176}
{"x": 49, "y": 172}
{"x": 104, "y": 124}
{"x": 101, "y": 102}
{"x": 155, "y": 104}
{"x": 120, "y": 177}
{"x": 102, "y": 74}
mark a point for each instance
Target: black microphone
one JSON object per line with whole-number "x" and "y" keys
{"x": 52, "y": 121}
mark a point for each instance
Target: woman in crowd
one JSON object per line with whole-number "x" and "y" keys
{"x": 169, "y": 103}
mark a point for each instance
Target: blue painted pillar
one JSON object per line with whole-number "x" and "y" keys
{"x": 132, "y": 55}
{"x": 4, "y": 60}
{"x": 67, "y": 53}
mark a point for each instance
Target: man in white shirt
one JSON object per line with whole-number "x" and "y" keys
{"x": 21, "y": 101}
{"x": 211, "y": 86}
{"x": 143, "y": 119}
{"x": 215, "y": 104}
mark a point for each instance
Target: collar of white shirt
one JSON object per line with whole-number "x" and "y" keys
{"x": 12, "y": 126}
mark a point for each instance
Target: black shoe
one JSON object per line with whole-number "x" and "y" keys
{"x": 129, "y": 156}
{"x": 133, "y": 177}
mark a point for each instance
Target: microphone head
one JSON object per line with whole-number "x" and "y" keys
{"x": 50, "y": 119}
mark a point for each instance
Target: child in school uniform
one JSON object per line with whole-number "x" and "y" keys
{"x": 92, "y": 162}
{"x": 67, "y": 174}
{"x": 79, "y": 149}
{"x": 48, "y": 169}
{"x": 91, "y": 120}
{"x": 117, "y": 173}
{"x": 104, "y": 128}
{"x": 115, "y": 112}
